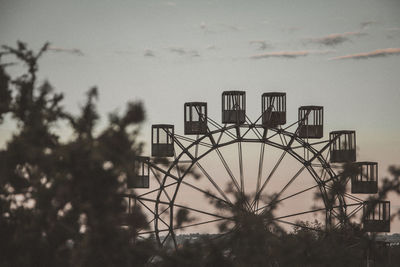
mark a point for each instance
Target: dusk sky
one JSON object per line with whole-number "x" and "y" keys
{"x": 343, "y": 55}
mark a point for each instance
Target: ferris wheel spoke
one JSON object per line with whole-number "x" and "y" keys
{"x": 324, "y": 172}
{"x": 224, "y": 128}
{"x": 219, "y": 137}
{"x": 138, "y": 231}
{"x": 159, "y": 182}
{"x": 177, "y": 168}
{"x": 188, "y": 208}
{"x": 241, "y": 167}
{"x": 319, "y": 153}
{"x": 166, "y": 173}
{"x": 206, "y": 193}
{"x": 201, "y": 211}
{"x": 282, "y": 140}
{"x": 284, "y": 129}
{"x": 214, "y": 123}
{"x": 288, "y": 197}
{"x": 259, "y": 117}
{"x": 213, "y": 182}
{"x": 308, "y": 211}
{"x": 355, "y": 211}
{"x": 197, "y": 224}
{"x": 196, "y": 150}
{"x": 351, "y": 214}
{"x": 174, "y": 238}
{"x": 354, "y": 198}
{"x": 151, "y": 211}
{"x": 286, "y": 186}
{"x": 312, "y": 144}
{"x": 317, "y": 165}
{"x": 226, "y": 166}
{"x": 167, "y": 208}
{"x": 155, "y": 216}
{"x": 257, "y": 133}
{"x": 254, "y": 129}
{"x": 284, "y": 137}
{"x": 258, "y": 194}
{"x": 233, "y": 179}
{"x": 260, "y": 168}
{"x": 155, "y": 190}
{"x": 227, "y": 132}
{"x": 166, "y": 237}
{"x": 140, "y": 228}
{"x": 185, "y": 138}
{"x": 246, "y": 132}
{"x": 184, "y": 149}
{"x": 324, "y": 148}
{"x": 295, "y": 194}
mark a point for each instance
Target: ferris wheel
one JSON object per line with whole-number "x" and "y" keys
{"x": 192, "y": 182}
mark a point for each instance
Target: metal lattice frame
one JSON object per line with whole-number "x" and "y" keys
{"x": 170, "y": 176}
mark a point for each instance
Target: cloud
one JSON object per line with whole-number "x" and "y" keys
{"x": 177, "y": 50}
{"x": 336, "y": 38}
{"x": 291, "y": 54}
{"x": 184, "y": 52}
{"x": 261, "y": 45}
{"x": 74, "y": 51}
{"x": 365, "y": 24}
{"x": 377, "y": 53}
{"x": 285, "y": 54}
{"x": 211, "y": 47}
{"x": 219, "y": 28}
{"x": 149, "y": 53}
{"x": 194, "y": 53}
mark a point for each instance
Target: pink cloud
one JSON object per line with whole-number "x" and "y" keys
{"x": 291, "y": 54}
{"x": 376, "y": 53}
{"x": 287, "y": 54}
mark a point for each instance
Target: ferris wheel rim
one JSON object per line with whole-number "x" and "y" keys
{"x": 287, "y": 149}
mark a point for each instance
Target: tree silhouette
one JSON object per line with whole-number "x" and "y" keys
{"x": 59, "y": 200}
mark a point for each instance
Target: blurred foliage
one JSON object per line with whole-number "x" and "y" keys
{"x": 59, "y": 201}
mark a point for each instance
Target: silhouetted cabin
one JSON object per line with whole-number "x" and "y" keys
{"x": 124, "y": 219}
{"x": 234, "y": 107}
{"x": 376, "y": 216}
{"x": 273, "y": 109}
{"x": 132, "y": 216}
{"x": 162, "y": 143}
{"x": 311, "y": 122}
{"x": 365, "y": 181}
{"x": 343, "y": 146}
{"x": 140, "y": 179}
{"x": 195, "y": 117}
